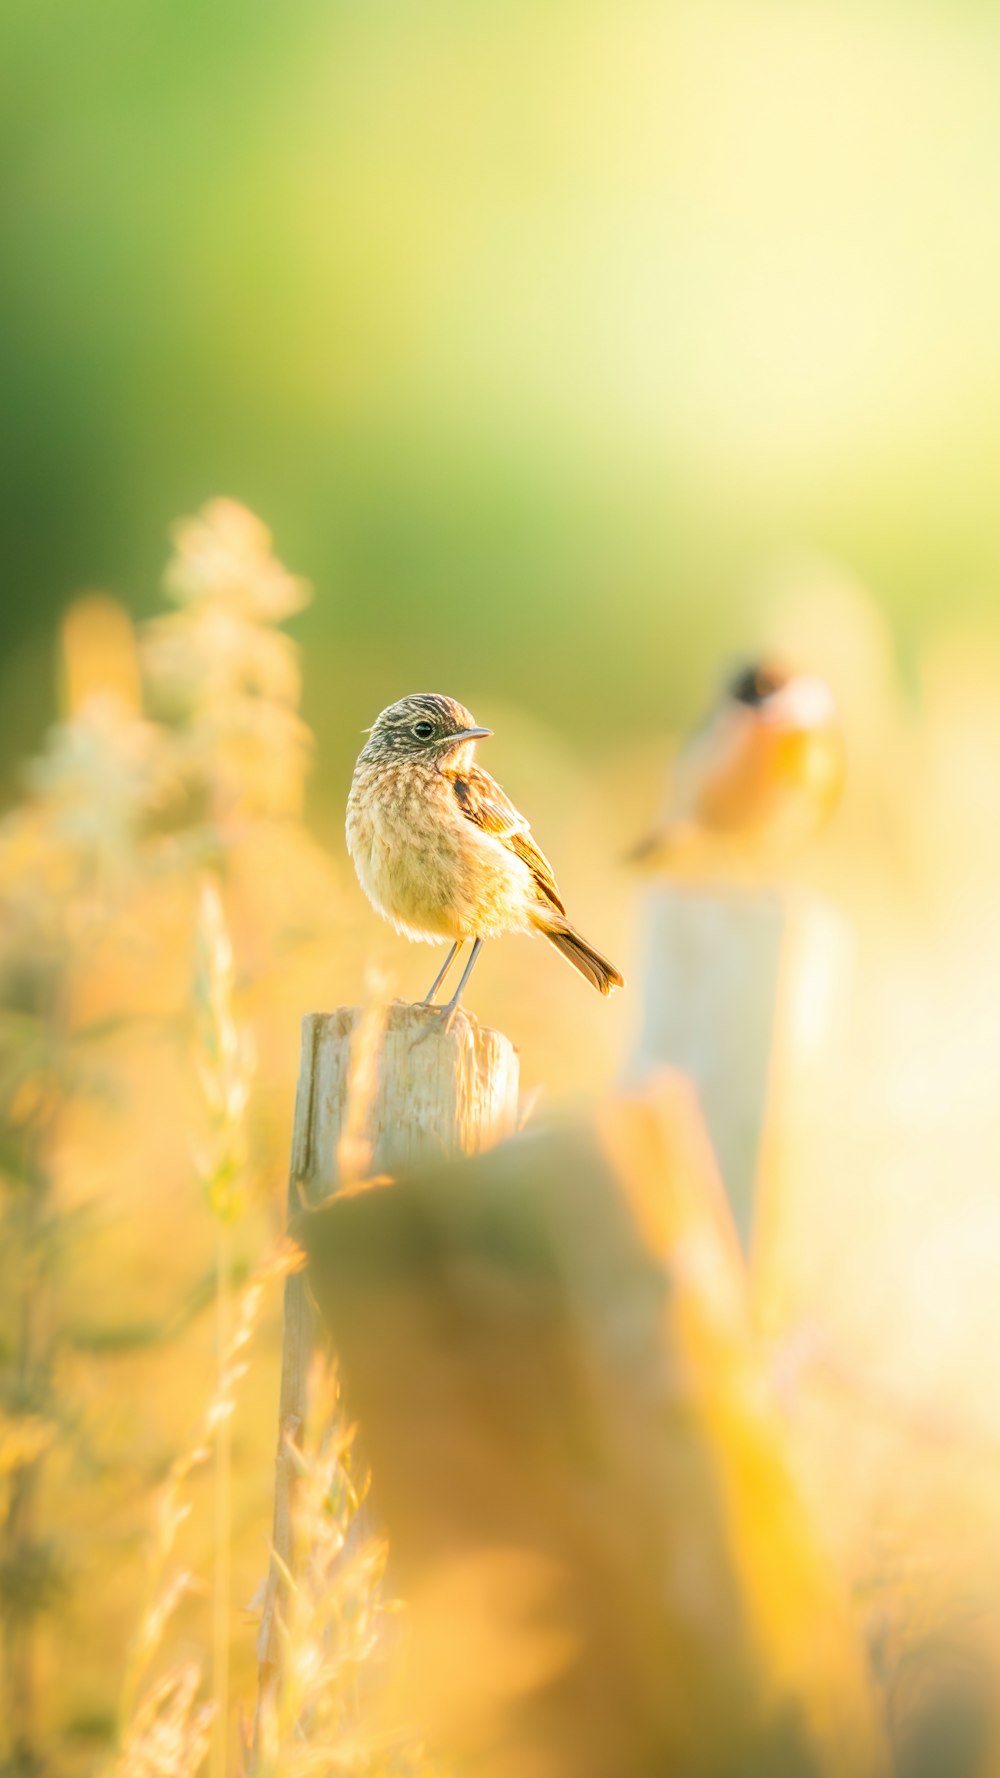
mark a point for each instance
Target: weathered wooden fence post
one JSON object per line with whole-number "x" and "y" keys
{"x": 380, "y": 1090}
{"x": 607, "y": 1566}
{"x": 744, "y": 990}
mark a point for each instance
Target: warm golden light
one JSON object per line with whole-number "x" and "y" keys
{"x": 575, "y": 363}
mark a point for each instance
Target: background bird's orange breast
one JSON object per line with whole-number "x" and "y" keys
{"x": 812, "y": 761}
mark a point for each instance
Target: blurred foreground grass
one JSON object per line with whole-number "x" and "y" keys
{"x": 167, "y": 918}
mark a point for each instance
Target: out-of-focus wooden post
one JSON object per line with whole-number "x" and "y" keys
{"x": 593, "y": 1515}
{"x": 744, "y": 990}
{"x": 380, "y": 1090}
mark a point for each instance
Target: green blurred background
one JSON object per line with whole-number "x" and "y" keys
{"x": 539, "y": 333}
{"x": 557, "y": 344}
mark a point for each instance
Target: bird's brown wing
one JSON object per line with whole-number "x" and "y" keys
{"x": 482, "y": 802}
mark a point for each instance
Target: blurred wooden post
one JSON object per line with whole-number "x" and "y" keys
{"x": 743, "y": 990}
{"x": 406, "y": 1089}
{"x": 607, "y": 1566}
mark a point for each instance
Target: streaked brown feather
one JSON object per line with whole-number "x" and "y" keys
{"x": 482, "y": 802}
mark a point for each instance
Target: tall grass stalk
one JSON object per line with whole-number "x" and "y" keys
{"x": 326, "y": 1715}
{"x": 224, "y": 1071}
{"x": 166, "y": 1729}
{"x": 223, "y": 1512}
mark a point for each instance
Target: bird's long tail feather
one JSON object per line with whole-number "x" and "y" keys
{"x": 574, "y": 947}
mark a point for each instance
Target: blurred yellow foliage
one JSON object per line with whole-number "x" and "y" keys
{"x": 219, "y": 662}
{"x": 167, "y": 918}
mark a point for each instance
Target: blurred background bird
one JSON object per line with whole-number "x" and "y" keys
{"x": 757, "y": 780}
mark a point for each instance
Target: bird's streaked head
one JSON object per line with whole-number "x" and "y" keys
{"x": 790, "y": 700}
{"x": 425, "y": 727}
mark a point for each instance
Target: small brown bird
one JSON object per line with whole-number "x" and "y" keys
{"x": 760, "y": 776}
{"x": 441, "y": 852}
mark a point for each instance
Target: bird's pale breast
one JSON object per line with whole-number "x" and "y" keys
{"x": 423, "y": 865}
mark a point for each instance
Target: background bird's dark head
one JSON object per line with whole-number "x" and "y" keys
{"x": 790, "y": 700}
{"x": 424, "y": 726}
{"x": 756, "y": 681}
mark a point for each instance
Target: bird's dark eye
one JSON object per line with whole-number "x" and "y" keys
{"x": 753, "y": 685}
{"x": 424, "y": 730}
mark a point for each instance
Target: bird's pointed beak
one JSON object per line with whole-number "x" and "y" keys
{"x": 472, "y": 734}
{"x": 806, "y": 702}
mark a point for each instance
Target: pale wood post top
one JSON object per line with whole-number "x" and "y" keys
{"x": 430, "y": 1088}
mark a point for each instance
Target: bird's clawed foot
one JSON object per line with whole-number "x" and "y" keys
{"x": 439, "y": 1023}
{"x": 445, "y": 1014}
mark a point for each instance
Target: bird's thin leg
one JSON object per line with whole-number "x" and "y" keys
{"x": 439, "y": 978}
{"x": 467, "y": 971}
